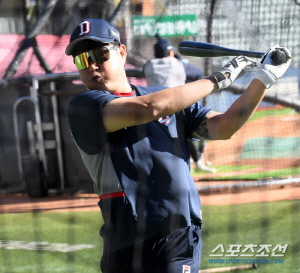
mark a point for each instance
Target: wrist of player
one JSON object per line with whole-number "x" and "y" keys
{"x": 265, "y": 77}
{"x": 221, "y": 80}
{"x": 213, "y": 80}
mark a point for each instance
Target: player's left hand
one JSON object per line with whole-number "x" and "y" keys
{"x": 232, "y": 71}
{"x": 269, "y": 71}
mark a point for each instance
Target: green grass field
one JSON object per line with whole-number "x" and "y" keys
{"x": 280, "y": 173}
{"x": 265, "y": 223}
{"x": 272, "y": 112}
{"x": 262, "y": 223}
{"x": 262, "y": 148}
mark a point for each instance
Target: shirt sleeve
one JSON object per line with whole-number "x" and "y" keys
{"x": 193, "y": 73}
{"x": 86, "y": 120}
{"x": 193, "y": 117}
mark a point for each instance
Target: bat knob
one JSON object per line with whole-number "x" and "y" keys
{"x": 279, "y": 56}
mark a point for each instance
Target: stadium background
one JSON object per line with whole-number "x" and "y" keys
{"x": 37, "y": 154}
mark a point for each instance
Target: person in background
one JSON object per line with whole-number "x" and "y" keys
{"x": 168, "y": 69}
{"x": 165, "y": 69}
{"x": 194, "y": 73}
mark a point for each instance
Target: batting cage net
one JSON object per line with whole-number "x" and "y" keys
{"x": 38, "y": 158}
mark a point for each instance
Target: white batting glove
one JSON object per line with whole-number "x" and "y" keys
{"x": 234, "y": 69}
{"x": 269, "y": 71}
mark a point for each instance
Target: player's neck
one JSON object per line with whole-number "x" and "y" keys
{"x": 124, "y": 89}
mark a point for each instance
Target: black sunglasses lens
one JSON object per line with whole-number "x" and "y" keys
{"x": 99, "y": 55}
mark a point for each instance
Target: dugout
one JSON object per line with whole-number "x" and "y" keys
{"x": 38, "y": 155}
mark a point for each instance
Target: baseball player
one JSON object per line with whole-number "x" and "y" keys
{"x": 133, "y": 141}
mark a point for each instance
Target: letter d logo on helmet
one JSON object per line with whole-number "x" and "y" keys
{"x": 84, "y": 27}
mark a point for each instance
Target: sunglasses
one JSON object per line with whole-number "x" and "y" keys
{"x": 98, "y": 55}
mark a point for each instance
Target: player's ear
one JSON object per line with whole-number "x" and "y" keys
{"x": 123, "y": 52}
{"x": 171, "y": 53}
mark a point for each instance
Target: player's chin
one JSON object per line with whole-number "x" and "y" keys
{"x": 95, "y": 84}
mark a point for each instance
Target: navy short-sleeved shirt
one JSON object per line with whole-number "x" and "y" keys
{"x": 142, "y": 172}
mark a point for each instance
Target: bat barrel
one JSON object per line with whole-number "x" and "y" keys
{"x": 199, "y": 49}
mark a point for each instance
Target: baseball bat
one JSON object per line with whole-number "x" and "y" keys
{"x": 230, "y": 268}
{"x": 199, "y": 49}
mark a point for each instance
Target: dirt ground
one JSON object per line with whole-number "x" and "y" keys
{"x": 88, "y": 202}
{"x": 218, "y": 152}
{"x": 227, "y": 152}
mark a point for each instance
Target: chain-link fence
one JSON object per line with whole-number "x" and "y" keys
{"x": 38, "y": 80}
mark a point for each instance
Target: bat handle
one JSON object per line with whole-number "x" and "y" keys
{"x": 279, "y": 56}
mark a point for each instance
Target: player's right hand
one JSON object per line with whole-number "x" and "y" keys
{"x": 269, "y": 71}
{"x": 232, "y": 71}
